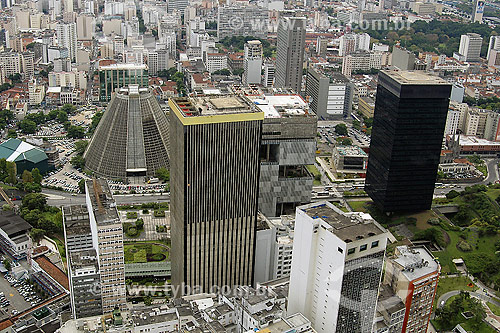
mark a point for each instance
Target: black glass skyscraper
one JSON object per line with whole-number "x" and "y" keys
{"x": 408, "y": 125}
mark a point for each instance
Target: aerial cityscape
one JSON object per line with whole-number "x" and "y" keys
{"x": 249, "y": 166}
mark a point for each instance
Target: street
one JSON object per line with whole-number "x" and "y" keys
{"x": 58, "y": 198}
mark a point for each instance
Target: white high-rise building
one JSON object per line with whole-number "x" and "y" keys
{"x": 85, "y": 27}
{"x": 452, "y": 120}
{"x": 252, "y": 62}
{"x": 478, "y": 11}
{"x": 337, "y": 263}
{"x": 66, "y": 37}
{"x": 470, "y": 46}
{"x": 269, "y": 71}
{"x": 68, "y": 6}
{"x": 493, "y": 45}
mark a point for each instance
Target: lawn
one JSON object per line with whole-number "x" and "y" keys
{"x": 359, "y": 206}
{"x": 485, "y": 244}
{"x": 495, "y": 309}
{"x": 315, "y": 172}
{"x": 145, "y": 252}
{"x": 453, "y": 283}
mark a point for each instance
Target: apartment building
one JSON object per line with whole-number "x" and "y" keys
{"x": 413, "y": 274}
{"x": 107, "y": 238}
{"x": 336, "y": 254}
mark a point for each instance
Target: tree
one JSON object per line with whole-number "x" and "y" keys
{"x": 27, "y": 177}
{"x": 345, "y": 141}
{"x": 341, "y": 129}
{"x": 238, "y": 71}
{"x": 95, "y": 121}
{"x": 68, "y": 108}
{"x": 7, "y": 264}
{"x": 76, "y": 132}
{"x": 33, "y": 201}
{"x": 81, "y": 185}
{"x": 139, "y": 224}
{"x": 37, "y": 177}
{"x": 452, "y": 194}
{"x": 474, "y": 159}
{"x": 80, "y": 147}
{"x": 11, "y": 134}
{"x": 163, "y": 174}
{"x": 148, "y": 300}
{"x": 11, "y": 170}
{"x": 62, "y": 116}
{"x": 356, "y": 124}
{"x": 27, "y": 126}
{"x": 223, "y": 71}
{"x": 78, "y": 162}
{"x": 37, "y": 234}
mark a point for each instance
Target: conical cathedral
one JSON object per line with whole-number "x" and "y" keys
{"x": 131, "y": 139}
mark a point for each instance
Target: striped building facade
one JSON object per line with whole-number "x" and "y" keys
{"x": 214, "y": 191}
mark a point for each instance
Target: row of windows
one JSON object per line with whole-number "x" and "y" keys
{"x": 363, "y": 247}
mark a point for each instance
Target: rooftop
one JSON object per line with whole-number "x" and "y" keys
{"x": 12, "y": 224}
{"x": 52, "y": 270}
{"x": 103, "y": 204}
{"x": 123, "y": 66}
{"x": 347, "y": 226}
{"x": 475, "y": 141}
{"x": 83, "y": 258}
{"x": 353, "y": 151}
{"x": 282, "y": 106}
{"x": 416, "y": 262}
{"x": 237, "y": 107}
{"x": 76, "y": 220}
{"x": 414, "y": 78}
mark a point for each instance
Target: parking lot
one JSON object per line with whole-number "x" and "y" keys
{"x": 16, "y": 302}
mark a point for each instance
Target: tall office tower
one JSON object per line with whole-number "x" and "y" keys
{"x": 493, "y": 45}
{"x": 115, "y": 76}
{"x": 252, "y": 62}
{"x": 402, "y": 168}
{"x": 214, "y": 211}
{"x": 331, "y": 93}
{"x": 179, "y": 5}
{"x": 403, "y": 59}
{"x": 413, "y": 275}
{"x": 107, "y": 237}
{"x": 269, "y": 73}
{"x": 288, "y": 145}
{"x": 68, "y": 6}
{"x": 85, "y": 27}
{"x": 290, "y": 53}
{"x": 337, "y": 262}
{"x": 478, "y": 11}
{"x": 66, "y": 37}
{"x": 83, "y": 267}
{"x": 347, "y": 44}
{"x": 470, "y": 46}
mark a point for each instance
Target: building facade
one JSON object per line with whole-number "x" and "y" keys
{"x": 470, "y": 47}
{"x": 107, "y": 239}
{"x": 413, "y": 275}
{"x": 252, "y": 62}
{"x": 402, "y": 168}
{"x": 337, "y": 263}
{"x": 331, "y": 94}
{"x": 113, "y": 77}
{"x": 214, "y": 151}
{"x": 290, "y": 53}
